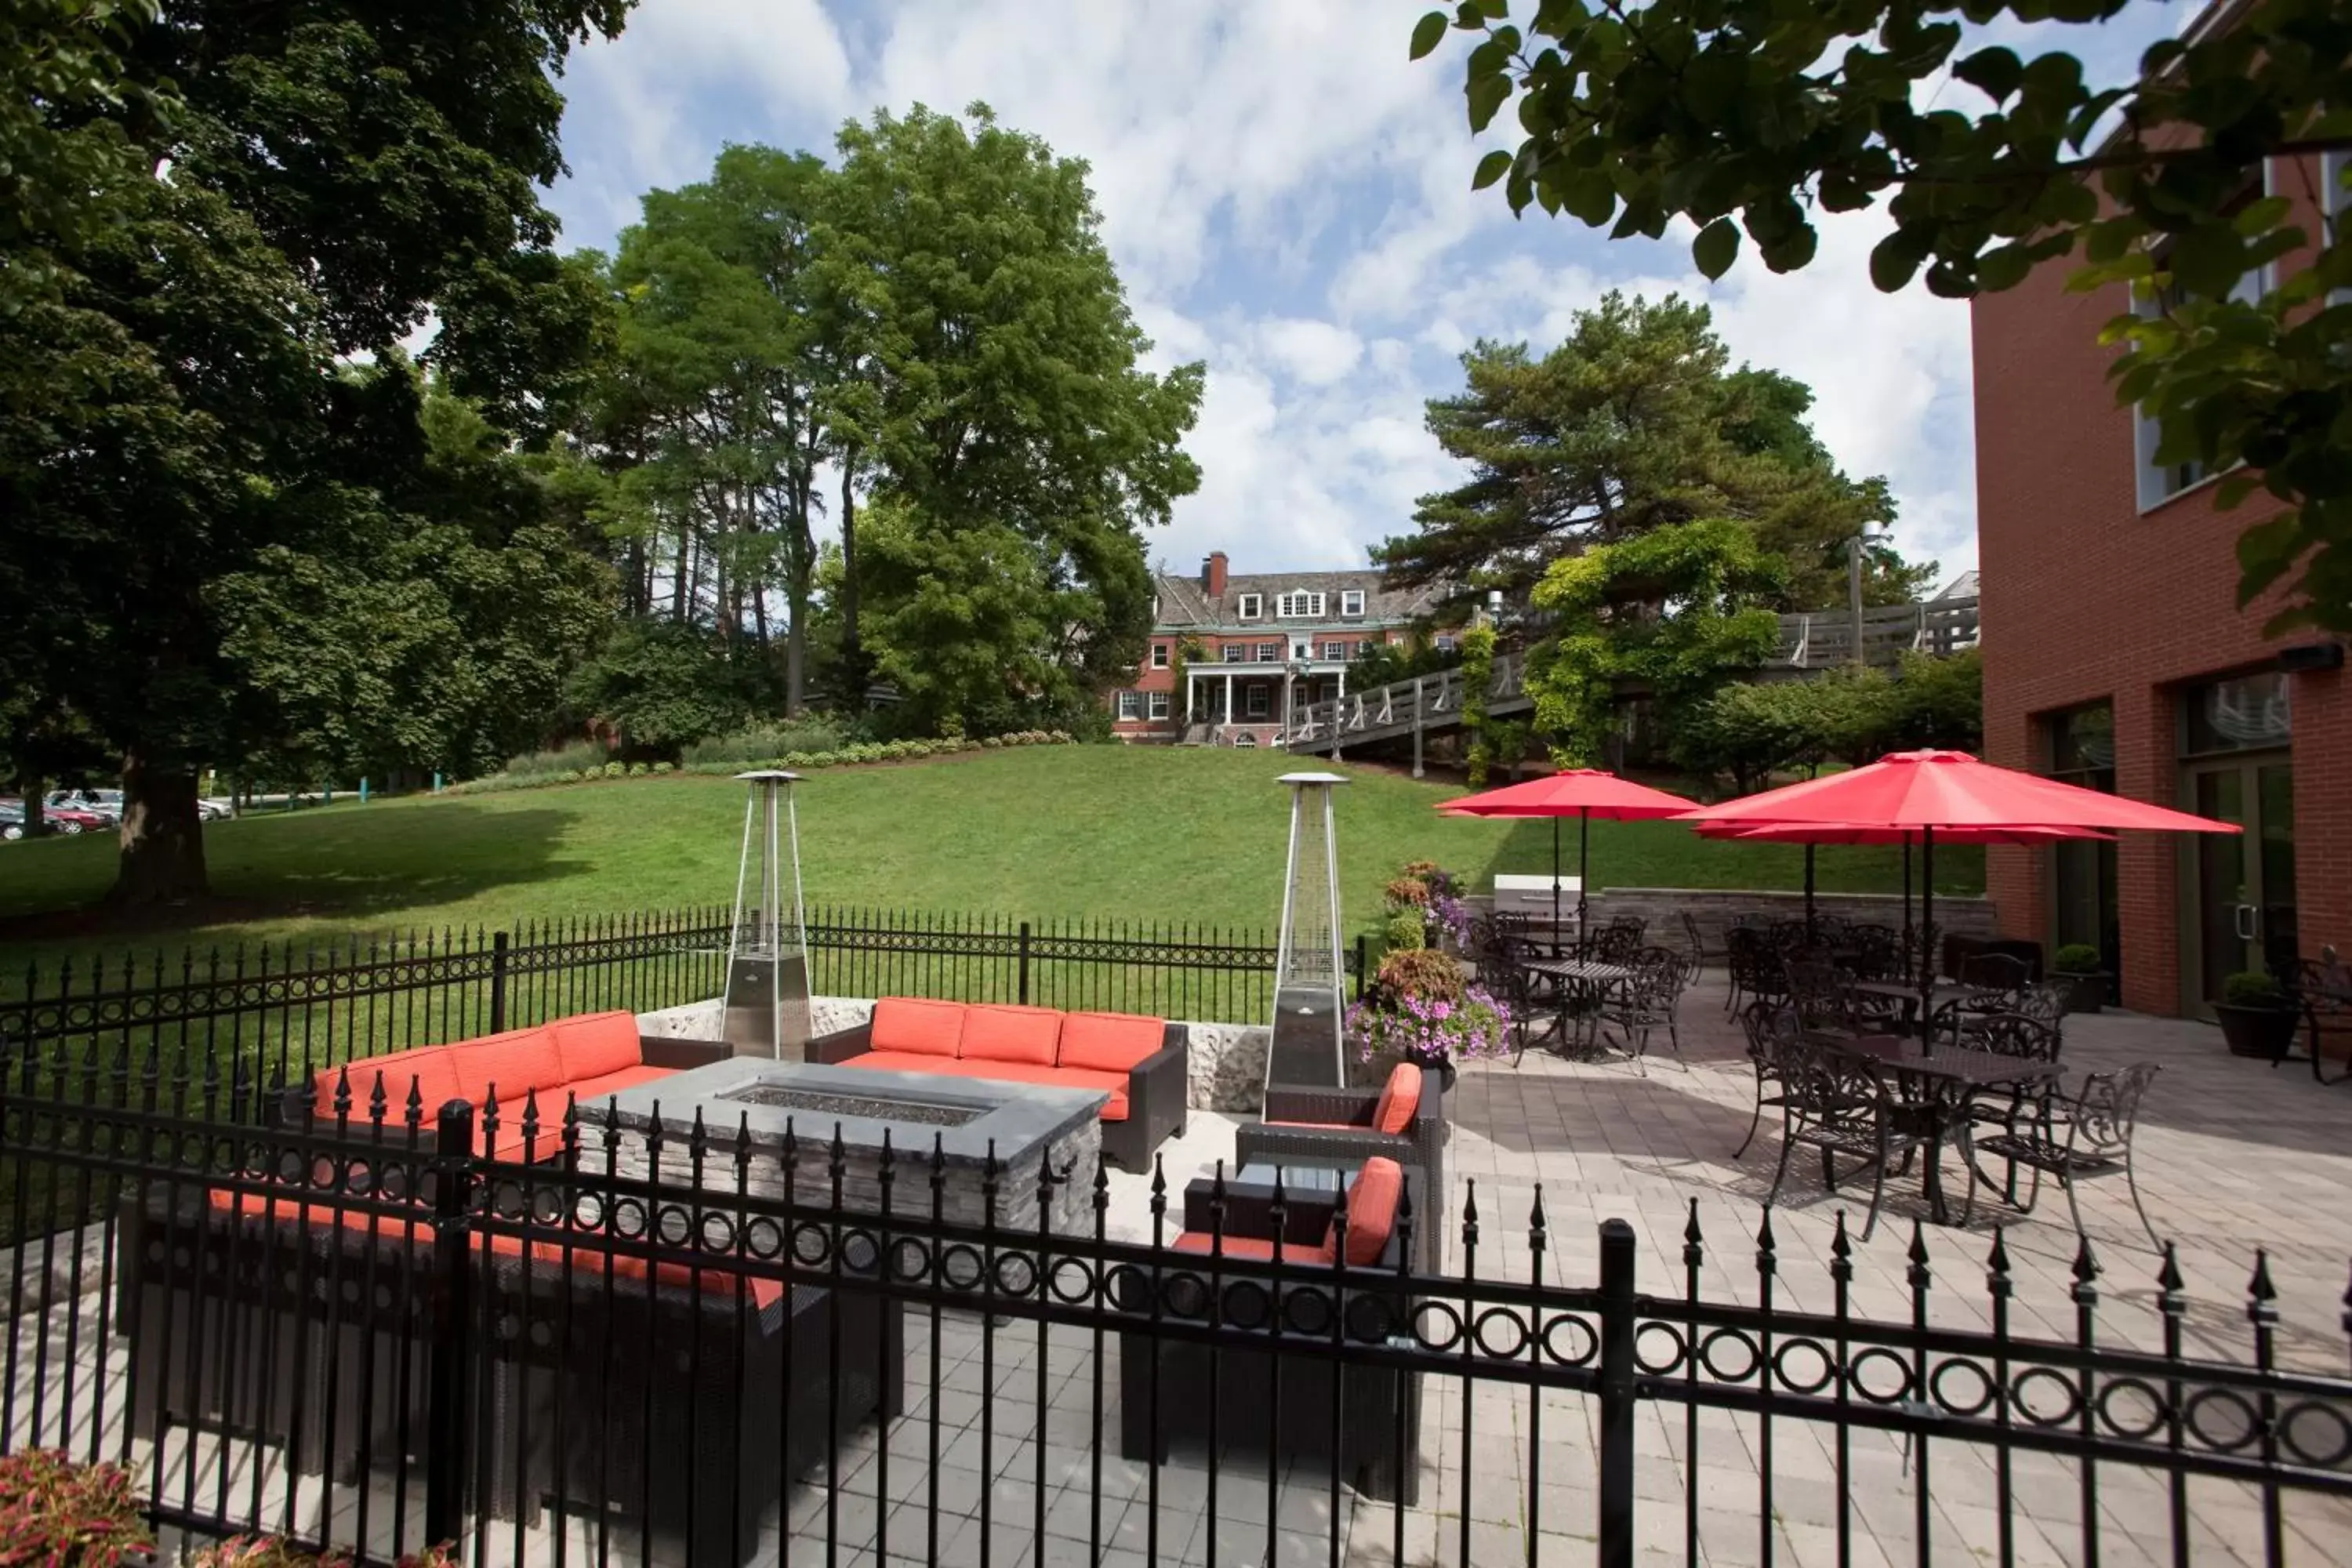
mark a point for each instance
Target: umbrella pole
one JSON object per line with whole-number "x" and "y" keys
{"x": 1583, "y": 863}
{"x": 1907, "y": 899}
{"x": 1927, "y": 939}
{"x": 1555, "y": 884}
{"x": 1808, "y": 890}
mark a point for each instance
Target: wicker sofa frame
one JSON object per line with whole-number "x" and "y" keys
{"x": 1247, "y": 1384}
{"x": 1343, "y": 1138}
{"x": 1159, "y": 1089}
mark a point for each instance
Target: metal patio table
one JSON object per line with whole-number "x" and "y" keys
{"x": 1940, "y": 994}
{"x": 1937, "y": 1089}
{"x": 1584, "y": 978}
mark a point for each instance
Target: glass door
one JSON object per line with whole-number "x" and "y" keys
{"x": 2241, "y": 912}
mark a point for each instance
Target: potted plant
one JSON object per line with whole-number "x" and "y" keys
{"x": 1433, "y": 894}
{"x": 2078, "y": 964}
{"x": 1421, "y": 1008}
{"x": 2256, "y": 1018}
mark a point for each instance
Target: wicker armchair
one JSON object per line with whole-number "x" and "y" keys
{"x": 1337, "y": 1128}
{"x": 1195, "y": 1394}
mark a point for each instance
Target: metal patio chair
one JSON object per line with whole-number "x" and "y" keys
{"x": 1770, "y": 1027}
{"x": 2089, "y": 1135}
{"x": 1647, "y": 1001}
{"x": 1840, "y": 1103}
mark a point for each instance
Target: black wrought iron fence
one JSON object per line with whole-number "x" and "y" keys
{"x": 633, "y": 1342}
{"x": 290, "y": 1009}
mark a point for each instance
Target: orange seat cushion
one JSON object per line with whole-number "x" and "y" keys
{"x": 899, "y": 1062}
{"x": 592, "y": 1093}
{"x": 1109, "y": 1042}
{"x": 1206, "y": 1244}
{"x": 1399, "y": 1101}
{"x": 918, "y": 1028}
{"x": 1003, "y": 1034}
{"x": 432, "y": 1071}
{"x": 595, "y": 1043}
{"x": 584, "y": 1258}
{"x": 511, "y": 1065}
{"x": 1371, "y": 1211}
{"x": 1111, "y": 1083}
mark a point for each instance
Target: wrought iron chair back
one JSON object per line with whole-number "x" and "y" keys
{"x": 1817, "y": 990}
{"x": 2019, "y": 1034}
{"x": 1993, "y": 971}
{"x": 2091, "y": 1134}
{"x": 1873, "y": 951}
{"x": 1619, "y": 941}
{"x": 1768, "y": 1026}
{"x": 1698, "y": 942}
{"x": 1839, "y": 1102}
{"x": 1755, "y": 964}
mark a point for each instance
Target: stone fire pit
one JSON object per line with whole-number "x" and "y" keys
{"x": 963, "y": 1116}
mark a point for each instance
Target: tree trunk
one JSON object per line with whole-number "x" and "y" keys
{"x": 36, "y": 804}
{"x": 853, "y": 657}
{"x": 163, "y": 839}
{"x": 796, "y": 651}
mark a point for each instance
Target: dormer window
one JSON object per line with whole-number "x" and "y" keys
{"x": 1298, "y": 606}
{"x": 1249, "y": 606}
{"x": 1351, "y": 602}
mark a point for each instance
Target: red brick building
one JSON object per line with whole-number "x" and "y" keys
{"x": 2115, "y": 655}
{"x": 1267, "y": 643}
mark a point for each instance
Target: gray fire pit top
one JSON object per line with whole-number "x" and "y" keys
{"x": 963, "y": 1115}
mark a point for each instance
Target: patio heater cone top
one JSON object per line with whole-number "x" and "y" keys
{"x": 1304, "y": 1043}
{"x": 766, "y": 1009}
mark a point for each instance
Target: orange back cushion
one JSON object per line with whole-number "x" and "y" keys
{"x": 1399, "y": 1101}
{"x": 514, "y": 1064}
{"x": 596, "y": 1044}
{"x": 1371, "y": 1211}
{"x": 922, "y": 1028}
{"x": 1109, "y": 1042}
{"x": 433, "y": 1071}
{"x": 999, "y": 1033}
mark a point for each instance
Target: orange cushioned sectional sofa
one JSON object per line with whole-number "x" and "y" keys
{"x": 1140, "y": 1062}
{"x": 584, "y": 1060}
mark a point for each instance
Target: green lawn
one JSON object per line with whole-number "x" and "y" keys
{"x": 1050, "y": 831}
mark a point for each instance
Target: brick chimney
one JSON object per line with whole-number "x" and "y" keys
{"x": 1212, "y": 575}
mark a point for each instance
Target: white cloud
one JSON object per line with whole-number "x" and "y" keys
{"x": 1288, "y": 199}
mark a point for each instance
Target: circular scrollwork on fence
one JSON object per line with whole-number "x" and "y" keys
{"x": 716, "y": 1233}
{"x": 2131, "y": 1407}
{"x": 1675, "y": 1348}
{"x": 1879, "y": 1376}
{"x": 629, "y": 1218}
{"x": 1965, "y": 1388}
{"x": 1447, "y": 1333}
{"x": 1371, "y": 1320}
{"x": 504, "y": 1198}
{"x": 2043, "y": 1397}
{"x": 812, "y": 1244}
{"x": 1247, "y": 1305}
{"x": 1583, "y": 1346}
{"x": 1731, "y": 1355}
{"x": 959, "y": 1265}
{"x": 1014, "y": 1274}
{"x": 1308, "y": 1312}
{"x": 911, "y": 1259}
{"x": 1803, "y": 1377}
{"x": 358, "y": 1177}
{"x": 1499, "y": 1333}
{"x": 1071, "y": 1280}
{"x": 2312, "y": 1432}
{"x": 1184, "y": 1296}
{"x": 2223, "y": 1419}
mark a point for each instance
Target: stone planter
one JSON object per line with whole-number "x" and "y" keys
{"x": 2265, "y": 1033}
{"x": 2085, "y": 993}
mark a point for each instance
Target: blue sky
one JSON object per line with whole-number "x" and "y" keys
{"x": 1287, "y": 198}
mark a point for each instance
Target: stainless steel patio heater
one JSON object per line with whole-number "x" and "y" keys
{"x": 767, "y": 1012}
{"x": 1308, "y": 998}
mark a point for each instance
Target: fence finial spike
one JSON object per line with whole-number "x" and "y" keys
{"x": 2086, "y": 1267}
{"x": 2167, "y": 1276}
{"x": 1691, "y": 1233}
{"x": 1997, "y": 1261}
{"x": 1918, "y": 1256}
{"x": 2261, "y": 1294}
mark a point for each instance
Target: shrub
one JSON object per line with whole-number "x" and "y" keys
{"x": 615, "y": 770}
{"x": 1406, "y": 892}
{"x": 572, "y": 758}
{"x": 2252, "y": 988}
{"x": 58, "y": 1514}
{"x": 992, "y": 742}
{"x": 269, "y": 1551}
{"x": 1420, "y": 972}
{"x": 764, "y": 742}
{"x": 2076, "y": 958}
{"x": 660, "y": 768}
{"x": 636, "y": 770}
{"x": 1405, "y": 932}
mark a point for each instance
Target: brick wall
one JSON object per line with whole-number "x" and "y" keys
{"x": 2087, "y": 599}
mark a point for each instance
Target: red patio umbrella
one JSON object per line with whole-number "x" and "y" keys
{"x": 1930, "y": 791}
{"x": 1582, "y": 794}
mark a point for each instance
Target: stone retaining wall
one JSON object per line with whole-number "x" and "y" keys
{"x": 1713, "y": 907}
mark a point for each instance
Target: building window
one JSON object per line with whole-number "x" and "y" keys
{"x": 2249, "y": 713}
{"x": 1249, "y": 606}
{"x": 2335, "y": 201}
{"x": 1335, "y": 650}
{"x": 1158, "y": 708}
{"x": 1351, "y": 602}
{"x": 2080, "y": 749}
{"x": 1234, "y": 653}
{"x": 1442, "y": 642}
{"x": 1269, "y": 653}
{"x": 2160, "y": 481}
{"x": 1131, "y": 707}
{"x": 1302, "y": 651}
{"x": 1298, "y": 606}
{"x": 1159, "y": 656}
{"x": 1257, "y": 701}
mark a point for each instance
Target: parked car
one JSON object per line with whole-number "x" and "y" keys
{"x": 74, "y": 819}
{"x": 212, "y": 809}
{"x": 103, "y": 802}
{"x": 12, "y": 820}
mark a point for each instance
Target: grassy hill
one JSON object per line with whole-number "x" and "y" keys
{"x": 1135, "y": 833}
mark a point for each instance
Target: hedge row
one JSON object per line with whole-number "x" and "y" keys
{"x": 799, "y": 761}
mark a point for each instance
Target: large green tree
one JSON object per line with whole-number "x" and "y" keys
{"x": 1749, "y": 117}
{"x": 1636, "y": 422}
{"x": 992, "y": 390}
{"x": 179, "y": 422}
